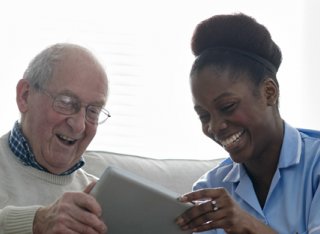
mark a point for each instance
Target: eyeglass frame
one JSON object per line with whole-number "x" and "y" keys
{"x": 76, "y": 106}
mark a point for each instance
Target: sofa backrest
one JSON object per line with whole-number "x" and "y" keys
{"x": 175, "y": 174}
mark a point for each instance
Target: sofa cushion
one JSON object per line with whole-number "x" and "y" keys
{"x": 175, "y": 174}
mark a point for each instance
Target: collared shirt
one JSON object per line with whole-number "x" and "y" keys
{"x": 20, "y": 147}
{"x": 293, "y": 201}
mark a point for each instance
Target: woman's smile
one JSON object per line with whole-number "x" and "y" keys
{"x": 232, "y": 141}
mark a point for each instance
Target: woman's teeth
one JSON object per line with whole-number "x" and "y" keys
{"x": 230, "y": 140}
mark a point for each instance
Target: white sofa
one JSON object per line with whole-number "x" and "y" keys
{"x": 176, "y": 174}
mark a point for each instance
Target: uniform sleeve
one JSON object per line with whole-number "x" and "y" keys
{"x": 17, "y": 220}
{"x": 201, "y": 183}
{"x": 314, "y": 218}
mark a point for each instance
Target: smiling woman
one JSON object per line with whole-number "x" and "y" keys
{"x": 145, "y": 46}
{"x": 235, "y": 91}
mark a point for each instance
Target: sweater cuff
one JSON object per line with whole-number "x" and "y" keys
{"x": 18, "y": 219}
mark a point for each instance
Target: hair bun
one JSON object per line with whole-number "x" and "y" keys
{"x": 237, "y": 31}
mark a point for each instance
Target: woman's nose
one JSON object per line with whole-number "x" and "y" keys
{"x": 216, "y": 125}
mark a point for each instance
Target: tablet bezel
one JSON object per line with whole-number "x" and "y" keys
{"x": 133, "y": 204}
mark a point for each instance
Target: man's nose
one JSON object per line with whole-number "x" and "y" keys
{"x": 78, "y": 120}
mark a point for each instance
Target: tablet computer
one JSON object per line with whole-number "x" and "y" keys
{"x": 132, "y": 204}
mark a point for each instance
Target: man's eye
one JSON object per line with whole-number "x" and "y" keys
{"x": 66, "y": 102}
{"x": 94, "y": 110}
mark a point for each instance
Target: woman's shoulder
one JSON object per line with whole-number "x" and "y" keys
{"x": 215, "y": 176}
{"x": 305, "y": 132}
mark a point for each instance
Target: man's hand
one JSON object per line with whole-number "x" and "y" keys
{"x": 74, "y": 212}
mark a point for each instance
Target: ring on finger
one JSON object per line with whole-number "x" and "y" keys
{"x": 214, "y": 205}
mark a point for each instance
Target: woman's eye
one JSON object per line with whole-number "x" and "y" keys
{"x": 204, "y": 118}
{"x": 228, "y": 107}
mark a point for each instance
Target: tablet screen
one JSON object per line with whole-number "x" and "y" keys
{"x": 134, "y": 205}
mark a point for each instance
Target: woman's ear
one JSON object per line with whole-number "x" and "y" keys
{"x": 271, "y": 91}
{"x": 22, "y": 93}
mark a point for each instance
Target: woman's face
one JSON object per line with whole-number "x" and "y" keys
{"x": 240, "y": 120}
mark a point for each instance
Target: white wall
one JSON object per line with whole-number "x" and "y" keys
{"x": 309, "y": 92}
{"x": 157, "y": 119}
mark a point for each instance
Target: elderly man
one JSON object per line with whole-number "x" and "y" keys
{"x": 43, "y": 189}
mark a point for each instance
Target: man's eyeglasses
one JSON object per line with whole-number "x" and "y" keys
{"x": 68, "y": 105}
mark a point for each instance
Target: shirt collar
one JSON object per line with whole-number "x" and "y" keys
{"x": 21, "y": 148}
{"x": 291, "y": 147}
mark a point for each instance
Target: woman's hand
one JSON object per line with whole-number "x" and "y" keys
{"x": 215, "y": 208}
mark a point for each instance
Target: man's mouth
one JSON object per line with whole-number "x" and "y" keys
{"x": 66, "y": 140}
{"x": 230, "y": 141}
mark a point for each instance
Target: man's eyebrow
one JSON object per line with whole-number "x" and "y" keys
{"x": 98, "y": 103}
{"x": 69, "y": 93}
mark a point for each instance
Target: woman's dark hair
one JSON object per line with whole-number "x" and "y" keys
{"x": 237, "y": 42}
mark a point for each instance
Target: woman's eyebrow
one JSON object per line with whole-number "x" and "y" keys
{"x": 223, "y": 95}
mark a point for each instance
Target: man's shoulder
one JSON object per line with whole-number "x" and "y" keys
{"x": 82, "y": 174}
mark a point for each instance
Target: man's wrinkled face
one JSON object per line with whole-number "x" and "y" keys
{"x": 59, "y": 140}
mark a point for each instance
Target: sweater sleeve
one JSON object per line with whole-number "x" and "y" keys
{"x": 17, "y": 220}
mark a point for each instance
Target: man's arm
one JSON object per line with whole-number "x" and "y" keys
{"x": 74, "y": 212}
{"x": 15, "y": 219}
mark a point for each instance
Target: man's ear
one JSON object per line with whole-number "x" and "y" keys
{"x": 271, "y": 91}
{"x": 22, "y": 94}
